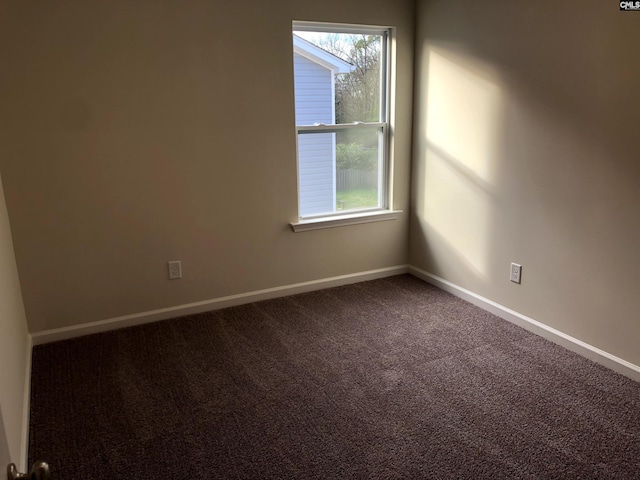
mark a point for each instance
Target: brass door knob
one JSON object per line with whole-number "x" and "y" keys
{"x": 39, "y": 471}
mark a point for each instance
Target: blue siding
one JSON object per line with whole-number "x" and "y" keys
{"x": 316, "y": 162}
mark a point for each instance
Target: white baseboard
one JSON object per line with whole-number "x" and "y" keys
{"x": 26, "y": 409}
{"x": 65, "y": 333}
{"x": 556, "y": 336}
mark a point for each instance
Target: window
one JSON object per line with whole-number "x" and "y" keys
{"x": 341, "y": 79}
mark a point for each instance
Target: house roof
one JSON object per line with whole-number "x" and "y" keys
{"x": 320, "y": 56}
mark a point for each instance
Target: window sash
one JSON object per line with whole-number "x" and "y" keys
{"x": 383, "y": 173}
{"x": 334, "y": 127}
{"x": 385, "y": 52}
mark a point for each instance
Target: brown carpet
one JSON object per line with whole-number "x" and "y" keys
{"x": 390, "y": 378}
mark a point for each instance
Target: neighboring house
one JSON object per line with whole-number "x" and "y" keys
{"x": 314, "y": 78}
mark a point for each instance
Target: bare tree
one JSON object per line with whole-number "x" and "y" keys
{"x": 358, "y": 92}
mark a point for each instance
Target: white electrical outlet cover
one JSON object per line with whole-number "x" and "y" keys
{"x": 175, "y": 270}
{"x": 515, "y": 273}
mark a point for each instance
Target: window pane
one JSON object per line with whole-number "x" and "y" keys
{"x": 316, "y": 173}
{"x": 339, "y": 171}
{"x": 358, "y": 169}
{"x": 357, "y": 74}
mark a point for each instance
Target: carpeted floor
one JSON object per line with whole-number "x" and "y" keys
{"x": 390, "y": 378}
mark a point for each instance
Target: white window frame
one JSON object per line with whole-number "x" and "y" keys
{"x": 383, "y": 211}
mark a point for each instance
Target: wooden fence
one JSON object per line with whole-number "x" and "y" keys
{"x": 355, "y": 180}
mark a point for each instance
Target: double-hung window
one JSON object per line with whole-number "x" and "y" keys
{"x": 341, "y": 79}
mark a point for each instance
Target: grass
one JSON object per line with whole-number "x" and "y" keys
{"x": 351, "y": 199}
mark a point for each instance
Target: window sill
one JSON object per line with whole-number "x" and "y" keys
{"x": 342, "y": 220}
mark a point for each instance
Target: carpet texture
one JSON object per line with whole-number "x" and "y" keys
{"x": 390, "y": 378}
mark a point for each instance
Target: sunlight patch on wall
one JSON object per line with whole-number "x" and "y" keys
{"x": 462, "y": 126}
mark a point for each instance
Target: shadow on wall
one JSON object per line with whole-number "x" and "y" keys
{"x": 525, "y": 151}
{"x": 456, "y": 174}
{"x": 492, "y": 144}
{"x": 5, "y": 456}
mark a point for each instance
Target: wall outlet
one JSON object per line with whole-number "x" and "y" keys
{"x": 516, "y": 272}
{"x": 175, "y": 270}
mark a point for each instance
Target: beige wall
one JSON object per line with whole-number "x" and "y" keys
{"x": 526, "y": 150}
{"x": 14, "y": 345}
{"x": 141, "y": 132}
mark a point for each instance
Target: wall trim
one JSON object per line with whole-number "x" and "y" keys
{"x": 584, "y": 349}
{"x": 26, "y": 408}
{"x": 64, "y": 333}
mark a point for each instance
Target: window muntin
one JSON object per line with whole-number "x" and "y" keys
{"x": 341, "y": 82}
